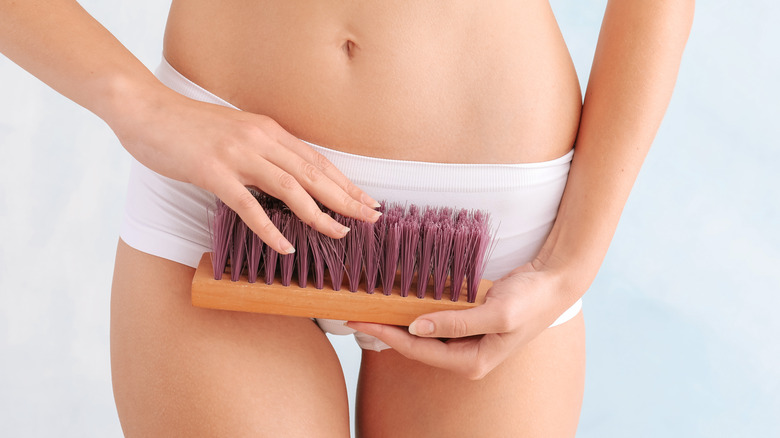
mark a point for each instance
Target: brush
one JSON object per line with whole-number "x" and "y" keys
{"x": 413, "y": 260}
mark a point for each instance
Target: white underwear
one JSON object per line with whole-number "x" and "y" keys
{"x": 169, "y": 219}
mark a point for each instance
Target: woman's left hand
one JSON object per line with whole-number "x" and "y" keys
{"x": 517, "y": 308}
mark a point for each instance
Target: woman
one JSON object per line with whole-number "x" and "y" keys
{"x": 376, "y": 84}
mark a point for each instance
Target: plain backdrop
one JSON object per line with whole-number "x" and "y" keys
{"x": 681, "y": 321}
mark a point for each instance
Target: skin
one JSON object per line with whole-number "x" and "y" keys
{"x": 179, "y": 370}
{"x": 461, "y": 83}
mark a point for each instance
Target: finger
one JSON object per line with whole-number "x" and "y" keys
{"x": 319, "y": 185}
{"x": 489, "y": 317}
{"x": 280, "y": 184}
{"x": 471, "y": 357}
{"x": 433, "y": 352}
{"x": 238, "y": 198}
{"x": 326, "y": 167}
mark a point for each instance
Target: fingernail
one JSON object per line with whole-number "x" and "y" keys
{"x": 369, "y": 201}
{"x": 287, "y": 248}
{"x": 371, "y": 214}
{"x": 421, "y": 327}
{"x": 339, "y": 228}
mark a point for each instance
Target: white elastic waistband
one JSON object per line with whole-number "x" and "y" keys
{"x": 447, "y": 177}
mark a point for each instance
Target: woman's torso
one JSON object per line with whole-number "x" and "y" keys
{"x": 456, "y": 81}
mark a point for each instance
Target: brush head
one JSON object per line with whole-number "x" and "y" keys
{"x": 407, "y": 246}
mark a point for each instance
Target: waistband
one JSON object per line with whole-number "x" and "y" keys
{"x": 402, "y": 174}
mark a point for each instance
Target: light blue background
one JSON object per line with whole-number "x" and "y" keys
{"x": 682, "y": 325}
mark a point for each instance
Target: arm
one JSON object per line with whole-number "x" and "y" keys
{"x": 219, "y": 149}
{"x": 631, "y": 82}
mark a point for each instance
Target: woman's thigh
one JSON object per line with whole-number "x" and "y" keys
{"x": 183, "y": 371}
{"x": 535, "y": 393}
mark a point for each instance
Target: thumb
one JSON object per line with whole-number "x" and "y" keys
{"x": 455, "y": 323}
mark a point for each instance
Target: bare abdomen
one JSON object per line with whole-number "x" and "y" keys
{"x": 454, "y": 81}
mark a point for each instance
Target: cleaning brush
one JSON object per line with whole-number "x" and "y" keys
{"x": 435, "y": 254}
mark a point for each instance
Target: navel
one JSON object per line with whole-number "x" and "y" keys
{"x": 350, "y": 48}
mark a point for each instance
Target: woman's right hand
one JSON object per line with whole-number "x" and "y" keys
{"x": 224, "y": 151}
{"x": 216, "y": 148}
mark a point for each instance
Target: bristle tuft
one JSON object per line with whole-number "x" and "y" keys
{"x": 254, "y": 255}
{"x": 317, "y": 258}
{"x": 460, "y": 252}
{"x": 222, "y": 225}
{"x": 372, "y": 246}
{"x": 428, "y": 231}
{"x": 238, "y": 251}
{"x": 287, "y": 261}
{"x": 354, "y": 247}
{"x": 482, "y": 241}
{"x": 333, "y": 254}
{"x": 302, "y": 252}
{"x": 410, "y": 239}
{"x": 271, "y": 255}
{"x": 391, "y": 249}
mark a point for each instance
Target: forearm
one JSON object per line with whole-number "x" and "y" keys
{"x": 631, "y": 82}
{"x": 61, "y": 44}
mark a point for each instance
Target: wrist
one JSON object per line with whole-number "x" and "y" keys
{"x": 122, "y": 97}
{"x": 569, "y": 280}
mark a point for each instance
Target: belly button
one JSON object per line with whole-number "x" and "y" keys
{"x": 350, "y": 48}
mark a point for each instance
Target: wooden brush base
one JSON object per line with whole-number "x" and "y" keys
{"x": 310, "y": 302}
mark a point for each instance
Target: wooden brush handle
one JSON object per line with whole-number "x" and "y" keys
{"x": 310, "y": 302}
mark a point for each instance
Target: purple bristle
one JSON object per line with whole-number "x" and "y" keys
{"x": 254, "y": 252}
{"x": 391, "y": 249}
{"x": 370, "y": 256}
{"x": 461, "y": 249}
{"x": 353, "y": 258}
{"x": 442, "y": 257}
{"x": 302, "y": 253}
{"x": 317, "y": 258}
{"x": 481, "y": 242}
{"x": 238, "y": 252}
{"x": 222, "y": 226}
{"x": 287, "y": 261}
{"x": 428, "y": 233}
{"x": 410, "y": 246}
{"x": 333, "y": 254}
{"x": 270, "y": 254}
{"x": 372, "y": 240}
